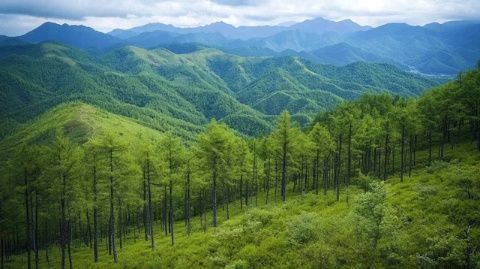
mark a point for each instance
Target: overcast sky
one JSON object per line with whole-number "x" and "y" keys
{"x": 20, "y": 16}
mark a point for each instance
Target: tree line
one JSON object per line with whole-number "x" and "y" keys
{"x": 98, "y": 194}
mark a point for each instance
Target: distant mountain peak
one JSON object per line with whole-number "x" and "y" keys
{"x": 321, "y": 25}
{"x": 220, "y": 23}
{"x": 73, "y": 35}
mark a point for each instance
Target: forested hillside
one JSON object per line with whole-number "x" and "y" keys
{"x": 382, "y": 181}
{"x": 181, "y": 91}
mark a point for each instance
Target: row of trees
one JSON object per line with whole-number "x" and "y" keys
{"x": 110, "y": 188}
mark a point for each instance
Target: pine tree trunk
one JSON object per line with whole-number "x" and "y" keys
{"x": 187, "y": 207}
{"x": 241, "y": 191}
{"x": 89, "y": 229}
{"x": 247, "y": 191}
{"x": 2, "y": 253}
{"x": 402, "y": 150}
{"x": 284, "y": 171}
{"x": 112, "y": 213}
{"x": 338, "y": 168}
{"x": 478, "y": 125}
{"x": 325, "y": 176}
{"x": 214, "y": 192}
{"x": 255, "y": 171}
{"x": 63, "y": 224}
{"x": 429, "y": 147}
{"x": 165, "y": 210}
{"x": 267, "y": 183}
{"x": 444, "y": 137}
{"x": 385, "y": 158}
{"x": 276, "y": 181}
{"x": 349, "y": 163}
{"x": 410, "y": 156}
{"x": 204, "y": 216}
{"x": 305, "y": 183}
{"x": 149, "y": 215}
{"x": 145, "y": 205}
{"x": 27, "y": 219}
{"x": 95, "y": 212}
{"x": 171, "y": 220}
{"x": 317, "y": 164}
{"x": 35, "y": 233}
{"x": 120, "y": 225}
{"x": 415, "y": 150}
{"x": 69, "y": 231}
{"x": 47, "y": 258}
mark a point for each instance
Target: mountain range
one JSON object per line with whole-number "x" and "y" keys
{"x": 180, "y": 88}
{"x": 435, "y": 49}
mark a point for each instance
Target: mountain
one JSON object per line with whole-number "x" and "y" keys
{"x": 227, "y": 30}
{"x": 6, "y": 41}
{"x": 168, "y": 91}
{"x": 72, "y": 35}
{"x": 435, "y": 48}
{"x": 161, "y": 38}
{"x": 320, "y": 25}
{"x": 317, "y": 25}
{"x": 343, "y": 54}
{"x": 150, "y": 27}
{"x": 292, "y": 40}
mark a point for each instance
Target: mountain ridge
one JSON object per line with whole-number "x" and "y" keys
{"x": 436, "y": 49}
{"x": 166, "y": 90}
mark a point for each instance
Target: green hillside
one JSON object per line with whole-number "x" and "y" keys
{"x": 182, "y": 92}
{"x": 422, "y": 222}
{"x": 80, "y": 122}
{"x": 382, "y": 181}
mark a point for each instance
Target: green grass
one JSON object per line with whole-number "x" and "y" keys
{"x": 421, "y": 227}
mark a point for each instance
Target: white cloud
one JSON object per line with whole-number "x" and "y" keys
{"x": 19, "y": 16}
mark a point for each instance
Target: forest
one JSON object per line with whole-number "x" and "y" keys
{"x": 181, "y": 92}
{"x": 72, "y": 204}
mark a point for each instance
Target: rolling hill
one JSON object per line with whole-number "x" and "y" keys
{"x": 79, "y": 122}
{"x": 165, "y": 90}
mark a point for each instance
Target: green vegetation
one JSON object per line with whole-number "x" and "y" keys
{"x": 379, "y": 182}
{"x": 182, "y": 92}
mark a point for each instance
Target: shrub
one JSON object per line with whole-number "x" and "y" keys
{"x": 302, "y": 229}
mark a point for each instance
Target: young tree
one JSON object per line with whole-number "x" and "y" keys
{"x": 26, "y": 166}
{"x": 323, "y": 146}
{"x": 213, "y": 146}
{"x": 92, "y": 160}
{"x": 173, "y": 157}
{"x": 113, "y": 147}
{"x": 150, "y": 170}
{"x": 282, "y": 138}
{"x": 65, "y": 167}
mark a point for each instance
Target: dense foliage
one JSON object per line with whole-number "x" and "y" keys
{"x": 181, "y": 92}
{"x": 70, "y": 184}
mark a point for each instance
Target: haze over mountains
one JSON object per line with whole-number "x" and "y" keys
{"x": 435, "y": 48}
{"x": 171, "y": 78}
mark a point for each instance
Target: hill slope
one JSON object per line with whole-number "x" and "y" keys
{"x": 79, "y": 122}
{"x": 183, "y": 91}
{"x": 417, "y": 223}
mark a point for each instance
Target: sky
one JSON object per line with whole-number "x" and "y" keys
{"x": 20, "y": 16}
